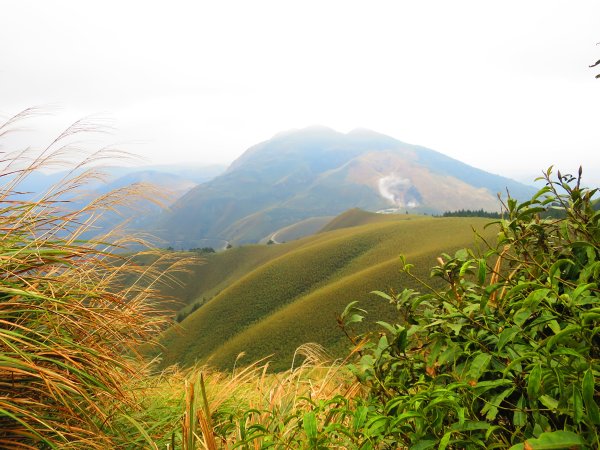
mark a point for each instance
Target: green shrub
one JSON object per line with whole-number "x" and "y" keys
{"x": 508, "y": 353}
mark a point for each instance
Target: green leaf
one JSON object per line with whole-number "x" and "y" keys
{"x": 534, "y": 381}
{"x": 455, "y": 327}
{"x": 383, "y": 295}
{"x": 590, "y": 317}
{"x": 581, "y": 289}
{"x": 555, "y": 440}
{"x": 376, "y": 425}
{"x": 554, "y": 326}
{"x": 525, "y": 215}
{"x": 485, "y": 386}
{"x": 354, "y": 318}
{"x": 445, "y": 441}
{"x": 549, "y": 402}
{"x": 519, "y": 417}
{"x": 349, "y": 307}
{"x": 360, "y": 415}
{"x": 562, "y": 336}
{"x": 534, "y": 298}
{"x": 465, "y": 268}
{"x": 520, "y": 287}
{"x": 507, "y": 336}
{"x": 461, "y": 254}
{"x": 351, "y": 310}
{"x": 387, "y": 326}
{"x": 491, "y": 408}
{"x": 309, "y": 422}
{"x": 479, "y": 365}
{"x": 409, "y": 415}
{"x": 471, "y": 426}
{"x": 556, "y": 267}
{"x": 521, "y": 316}
{"x": 450, "y": 354}
{"x": 424, "y": 444}
{"x": 401, "y": 341}
{"x": 588, "y": 397}
{"x": 482, "y": 272}
{"x": 542, "y": 191}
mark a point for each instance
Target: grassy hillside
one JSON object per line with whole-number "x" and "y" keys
{"x": 298, "y": 230}
{"x": 355, "y": 216}
{"x": 215, "y": 271}
{"x": 263, "y": 300}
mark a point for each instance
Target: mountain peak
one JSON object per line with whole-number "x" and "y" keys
{"x": 317, "y": 171}
{"x": 312, "y": 130}
{"x": 365, "y": 134}
{"x": 322, "y": 130}
{"x": 361, "y": 131}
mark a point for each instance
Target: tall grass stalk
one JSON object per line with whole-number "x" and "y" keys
{"x": 69, "y": 325}
{"x": 251, "y": 407}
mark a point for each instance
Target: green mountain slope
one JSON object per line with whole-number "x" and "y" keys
{"x": 320, "y": 172}
{"x": 271, "y": 299}
{"x": 355, "y": 217}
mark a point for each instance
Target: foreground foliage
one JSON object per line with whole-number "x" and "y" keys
{"x": 506, "y": 355}
{"x": 68, "y": 329}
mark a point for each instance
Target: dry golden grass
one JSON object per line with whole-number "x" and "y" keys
{"x": 250, "y": 406}
{"x": 69, "y": 328}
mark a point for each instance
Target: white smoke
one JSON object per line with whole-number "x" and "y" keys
{"x": 394, "y": 188}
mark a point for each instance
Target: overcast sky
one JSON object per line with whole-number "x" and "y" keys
{"x": 504, "y": 86}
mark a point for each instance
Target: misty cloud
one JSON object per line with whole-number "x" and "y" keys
{"x": 200, "y": 82}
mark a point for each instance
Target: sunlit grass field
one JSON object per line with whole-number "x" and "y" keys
{"x": 260, "y": 301}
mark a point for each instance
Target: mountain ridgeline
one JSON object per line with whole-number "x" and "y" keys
{"x": 318, "y": 172}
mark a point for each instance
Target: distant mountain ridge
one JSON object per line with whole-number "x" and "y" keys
{"x": 178, "y": 179}
{"x": 139, "y": 212}
{"x": 318, "y": 171}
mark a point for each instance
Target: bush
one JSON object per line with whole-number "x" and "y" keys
{"x": 506, "y": 355}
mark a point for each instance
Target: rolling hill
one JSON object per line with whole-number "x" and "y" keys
{"x": 260, "y": 300}
{"x": 298, "y": 230}
{"x": 316, "y": 172}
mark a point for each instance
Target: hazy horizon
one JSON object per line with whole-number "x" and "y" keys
{"x": 504, "y": 88}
